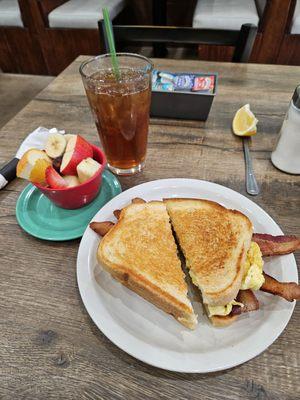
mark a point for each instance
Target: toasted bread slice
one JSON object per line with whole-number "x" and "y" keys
{"x": 250, "y": 302}
{"x": 220, "y": 321}
{"x": 141, "y": 253}
{"x": 214, "y": 241}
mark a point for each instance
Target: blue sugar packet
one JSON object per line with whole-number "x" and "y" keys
{"x": 155, "y": 76}
{"x": 166, "y": 77}
{"x": 162, "y": 80}
{"x": 184, "y": 82}
{"x": 161, "y": 84}
{"x": 178, "y": 81}
{"x": 167, "y": 87}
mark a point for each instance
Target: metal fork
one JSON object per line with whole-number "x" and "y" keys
{"x": 251, "y": 183}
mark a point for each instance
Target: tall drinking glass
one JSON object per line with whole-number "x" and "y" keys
{"x": 120, "y": 108}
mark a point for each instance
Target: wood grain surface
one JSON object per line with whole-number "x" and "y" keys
{"x": 16, "y": 91}
{"x": 49, "y": 347}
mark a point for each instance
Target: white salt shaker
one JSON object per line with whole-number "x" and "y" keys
{"x": 286, "y": 155}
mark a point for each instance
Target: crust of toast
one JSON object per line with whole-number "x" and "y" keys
{"x": 153, "y": 294}
{"x": 214, "y": 241}
{"x": 140, "y": 252}
{"x": 220, "y": 321}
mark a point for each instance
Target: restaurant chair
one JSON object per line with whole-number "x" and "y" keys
{"x": 10, "y": 14}
{"x": 19, "y": 48}
{"x": 242, "y": 40}
{"x": 290, "y": 45}
{"x": 295, "y": 28}
{"x": 67, "y": 29}
{"x": 225, "y": 14}
{"x": 83, "y": 14}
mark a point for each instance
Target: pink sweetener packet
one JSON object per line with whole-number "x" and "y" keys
{"x": 204, "y": 84}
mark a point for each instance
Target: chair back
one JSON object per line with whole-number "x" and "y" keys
{"x": 242, "y": 40}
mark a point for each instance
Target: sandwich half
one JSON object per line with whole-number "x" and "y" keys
{"x": 141, "y": 253}
{"x": 220, "y": 257}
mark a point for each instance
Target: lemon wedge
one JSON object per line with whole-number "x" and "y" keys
{"x": 244, "y": 122}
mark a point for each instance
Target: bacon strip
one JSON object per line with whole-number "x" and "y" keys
{"x": 136, "y": 200}
{"x": 101, "y": 227}
{"x": 276, "y": 245}
{"x": 236, "y": 310}
{"x": 288, "y": 290}
{"x": 247, "y": 297}
{"x": 117, "y": 213}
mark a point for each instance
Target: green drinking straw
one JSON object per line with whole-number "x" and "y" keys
{"x": 111, "y": 42}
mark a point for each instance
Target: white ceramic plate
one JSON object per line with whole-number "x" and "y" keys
{"x": 150, "y": 335}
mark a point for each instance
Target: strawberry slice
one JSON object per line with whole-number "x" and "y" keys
{"x": 54, "y": 180}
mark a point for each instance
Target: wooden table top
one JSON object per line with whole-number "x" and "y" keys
{"x": 49, "y": 346}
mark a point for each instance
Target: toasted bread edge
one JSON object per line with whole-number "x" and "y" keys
{"x": 150, "y": 292}
{"x": 229, "y": 293}
{"x": 220, "y": 321}
{"x": 143, "y": 287}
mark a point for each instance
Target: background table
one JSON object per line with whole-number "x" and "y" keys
{"x": 49, "y": 347}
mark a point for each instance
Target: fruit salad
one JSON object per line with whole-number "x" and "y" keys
{"x": 67, "y": 161}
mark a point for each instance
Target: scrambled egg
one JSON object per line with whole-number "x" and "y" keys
{"x": 222, "y": 310}
{"x": 253, "y": 279}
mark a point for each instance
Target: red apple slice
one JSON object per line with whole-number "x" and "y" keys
{"x": 54, "y": 180}
{"x": 77, "y": 150}
{"x": 68, "y": 136}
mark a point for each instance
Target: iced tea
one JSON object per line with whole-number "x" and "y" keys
{"x": 121, "y": 111}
